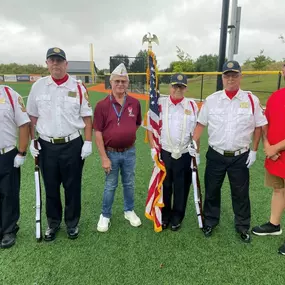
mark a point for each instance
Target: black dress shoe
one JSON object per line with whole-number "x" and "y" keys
{"x": 245, "y": 237}
{"x": 50, "y": 234}
{"x": 8, "y": 240}
{"x": 175, "y": 227}
{"x": 207, "y": 230}
{"x": 165, "y": 225}
{"x": 72, "y": 233}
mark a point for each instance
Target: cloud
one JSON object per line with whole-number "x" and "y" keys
{"x": 29, "y": 27}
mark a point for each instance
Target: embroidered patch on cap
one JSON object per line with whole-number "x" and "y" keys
{"x": 230, "y": 65}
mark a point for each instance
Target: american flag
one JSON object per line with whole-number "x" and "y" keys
{"x": 154, "y": 201}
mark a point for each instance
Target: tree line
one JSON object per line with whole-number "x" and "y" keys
{"x": 184, "y": 63}
{"x": 14, "y": 68}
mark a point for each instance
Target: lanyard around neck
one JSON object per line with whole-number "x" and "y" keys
{"x": 115, "y": 109}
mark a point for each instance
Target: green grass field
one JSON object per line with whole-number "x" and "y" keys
{"x": 127, "y": 255}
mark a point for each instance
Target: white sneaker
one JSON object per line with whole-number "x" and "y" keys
{"x": 103, "y": 224}
{"x": 133, "y": 218}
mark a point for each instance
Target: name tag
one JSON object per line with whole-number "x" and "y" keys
{"x": 72, "y": 94}
{"x": 2, "y": 101}
{"x": 187, "y": 112}
{"x": 244, "y": 105}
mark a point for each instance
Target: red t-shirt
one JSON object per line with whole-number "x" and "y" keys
{"x": 275, "y": 114}
{"x": 106, "y": 121}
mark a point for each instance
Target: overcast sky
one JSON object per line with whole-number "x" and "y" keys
{"x": 29, "y": 27}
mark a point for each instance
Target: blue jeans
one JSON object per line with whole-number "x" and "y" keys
{"x": 125, "y": 162}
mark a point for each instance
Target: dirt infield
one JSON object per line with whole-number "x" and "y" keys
{"x": 101, "y": 88}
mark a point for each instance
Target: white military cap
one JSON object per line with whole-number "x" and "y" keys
{"x": 119, "y": 72}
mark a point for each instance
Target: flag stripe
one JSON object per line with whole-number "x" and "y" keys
{"x": 154, "y": 201}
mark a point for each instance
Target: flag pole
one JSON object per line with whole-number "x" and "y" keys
{"x": 149, "y": 39}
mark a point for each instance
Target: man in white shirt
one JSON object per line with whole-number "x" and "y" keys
{"x": 59, "y": 108}
{"x": 179, "y": 117}
{"x": 13, "y": 121}
{"x": 233, "y": 116}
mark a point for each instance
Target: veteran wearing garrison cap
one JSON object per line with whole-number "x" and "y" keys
{"x": 59, "y": 109}
{"x": 234, "y": 119}
{"x": 116, "y": 120}
{"x": 179, "y": 117}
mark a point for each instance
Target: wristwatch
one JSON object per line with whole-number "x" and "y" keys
{"x": 23, "y": 153}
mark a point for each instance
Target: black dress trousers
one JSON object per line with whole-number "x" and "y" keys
{"x": 217, "y": 167}
{"x": 176, "y": 186}
{"x": 10, "y": 177}
{"x": 62, "y": 163}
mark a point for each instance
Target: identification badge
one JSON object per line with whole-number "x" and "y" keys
{"x": 244, "y": 105}
{"x": 187, "y": 112}
{"x": 2, "y": 100}
{"x": 72, "y": 94}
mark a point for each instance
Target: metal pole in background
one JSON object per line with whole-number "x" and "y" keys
{"x": 92, "y": 64}
{"x": 223, "y": 41}
{"x": 202, "y": 85}
{"x": 232, "y": 30}
{"x": 279, "y": 81}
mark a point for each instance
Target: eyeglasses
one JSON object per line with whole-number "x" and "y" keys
{"x": 117, "y": 82}
{"x": 232, "y": 75}
{"x": 178, "y": 86}
{"x": 57, "y": 59}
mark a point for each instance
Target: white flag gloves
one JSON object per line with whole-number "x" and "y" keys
{"x": 35, "y": 152}
{"x": 251, "y": 158}
{"x": 19, "y": 160}
{"x": 153, "y": 153}
{"x": 192, "y": 148}
{"x": 86, "y": 149}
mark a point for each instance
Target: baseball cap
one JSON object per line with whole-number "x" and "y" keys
{"x": 55, "y": 51}
{"x": 178, "y": 79}
{"x": 231, "y": 65}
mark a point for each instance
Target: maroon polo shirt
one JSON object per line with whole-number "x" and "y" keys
{"x": 106, "y": 121}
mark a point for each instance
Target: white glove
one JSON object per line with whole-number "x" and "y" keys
{"x": 198, "y": 158}
{"x": 153, "y": 153}
{"x": 251, "y": 158}
{"x": 19, "y": 160}
{"x": 86, "y": 149}
{"x": 192, "y": 149}
{"x": 35, "y": 152}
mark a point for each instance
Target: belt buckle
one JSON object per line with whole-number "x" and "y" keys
{"x": 2, "y": 150}
{"x": 57, "y": 140}
{"x": 229, "y": 153}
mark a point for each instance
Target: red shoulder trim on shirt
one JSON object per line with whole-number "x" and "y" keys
{"x": 10, "y": 97}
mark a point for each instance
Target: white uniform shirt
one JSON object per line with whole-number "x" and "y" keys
{"x": 176, "y": 114}
{"x": 231, "y": 123}
{"x": 57, "y": 107}
{"x": 11, "y": 119}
